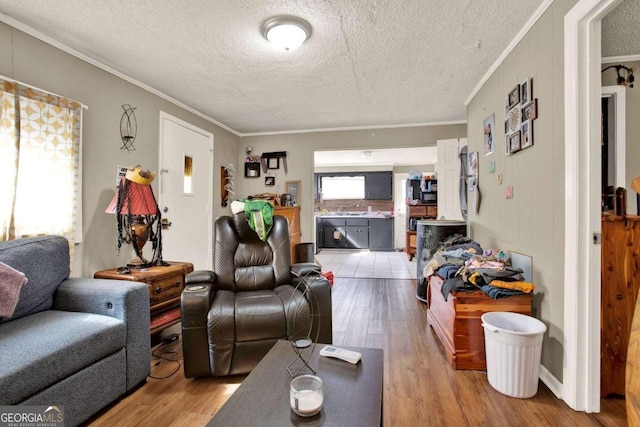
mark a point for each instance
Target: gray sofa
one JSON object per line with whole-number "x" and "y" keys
{"x": 71, "y": 342}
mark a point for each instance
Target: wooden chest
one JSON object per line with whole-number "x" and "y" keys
{"x": 457, "y": 321}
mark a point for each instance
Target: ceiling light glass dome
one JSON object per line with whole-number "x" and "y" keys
{"x": 286, "y": 32}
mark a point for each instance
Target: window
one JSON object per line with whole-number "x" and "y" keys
{"x": 188, "y": 175}
{"x": 342, "y": 187}
{"x": 39, "y": 163}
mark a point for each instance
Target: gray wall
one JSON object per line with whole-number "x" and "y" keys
{"x": 300, "y": 148}
{"x": 632, "y": 154}
{"x": 532, "y": 222}
{"x": 39, "y": 64}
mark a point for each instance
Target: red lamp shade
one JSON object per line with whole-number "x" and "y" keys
{"x": 138, "y": 200}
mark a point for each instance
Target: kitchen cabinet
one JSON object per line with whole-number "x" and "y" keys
{"x": 378, "y": 186}
{"x": 355, "y": 233}
{"x": 381, "y": 234}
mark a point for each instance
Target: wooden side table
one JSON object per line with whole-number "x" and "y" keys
{"x": 165, "y": 287}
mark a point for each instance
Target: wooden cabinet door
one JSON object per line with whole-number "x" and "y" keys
{"x": 620, "y": 273}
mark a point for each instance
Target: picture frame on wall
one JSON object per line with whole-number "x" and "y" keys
{"x": 269, "y": 181}
{"x": 293, "y": 189}
{"x": 530, "y": 110}
{"x": 513, "y": 143}
{"x": 489, "y": 130}
{"x": 525, "y": 91}
{"x": 514, "y": 119}
{"x": 527, "y": 134}
{"x": 514, "y": 97}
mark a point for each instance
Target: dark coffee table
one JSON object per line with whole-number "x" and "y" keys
{"x": 352, "y": 393}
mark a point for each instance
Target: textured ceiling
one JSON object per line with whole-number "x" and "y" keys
{"x": 621, "y": 30}
{"x": 367, "y": 63}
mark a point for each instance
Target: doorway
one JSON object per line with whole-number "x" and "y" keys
{"x": 582, "y": 81}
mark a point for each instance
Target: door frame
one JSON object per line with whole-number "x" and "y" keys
{"x": 582, "y": 82}
{"x": 619, "y": 95}
{"x": 166, "y": 116}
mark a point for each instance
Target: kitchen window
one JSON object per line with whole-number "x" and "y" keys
{"x": 342, "y": 187}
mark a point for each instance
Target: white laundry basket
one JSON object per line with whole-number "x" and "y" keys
{"x": 513, "y": 347}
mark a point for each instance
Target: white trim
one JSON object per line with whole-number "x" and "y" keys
{"x": 581, "y": 372}
{"x": 551, "y": 382}
{"x": 166, "y": 116}
{"x": 530, "y": 23}
{"x": 624, "y": 58}
{"x": 407, "y": 125}
{"x": 37, "y": 34}
{"x": 620, "y": 96}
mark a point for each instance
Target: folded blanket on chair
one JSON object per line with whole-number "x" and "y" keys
{"x": 11, "y": 281}
{"x": 259, "y": 215}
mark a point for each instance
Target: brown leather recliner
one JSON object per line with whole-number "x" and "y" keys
{"x": 232, "y": 317}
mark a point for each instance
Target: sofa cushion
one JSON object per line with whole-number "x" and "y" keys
{"x": 46, "y": 347}
{"x": 45, "y": 263}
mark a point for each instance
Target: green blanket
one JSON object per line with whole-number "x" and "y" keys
{"x": 259, "y": 214}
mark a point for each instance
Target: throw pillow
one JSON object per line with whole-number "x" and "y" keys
{"x": 11, "y": 281}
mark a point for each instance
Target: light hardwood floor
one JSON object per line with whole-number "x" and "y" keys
{"x": 420, "y": 388}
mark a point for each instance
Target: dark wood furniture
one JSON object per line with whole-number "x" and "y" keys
{"x": 632, "y": 388}
{"x": 292, "y": 213}
{"x": 457, "y": 323}
{"x": 620, "y": 280}
{"x": 352, "y": 393}
{"x": 165, "y": 286}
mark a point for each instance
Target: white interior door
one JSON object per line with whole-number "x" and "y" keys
{"x": 448, "y": 168}
{"x": 186, "y": 184}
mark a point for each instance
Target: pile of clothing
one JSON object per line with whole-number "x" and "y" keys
{"x": 464, "y": 266}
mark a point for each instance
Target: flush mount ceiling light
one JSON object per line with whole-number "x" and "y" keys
{"x": 286, "y": 32}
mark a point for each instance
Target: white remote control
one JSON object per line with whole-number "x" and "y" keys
{"x": 341, "y": 353}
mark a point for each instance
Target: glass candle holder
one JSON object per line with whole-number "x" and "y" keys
{"x": 306, "y": 395}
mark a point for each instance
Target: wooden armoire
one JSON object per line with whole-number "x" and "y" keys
{"x": 620, "y": 272}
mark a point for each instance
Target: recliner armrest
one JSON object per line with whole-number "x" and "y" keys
{"x": 305, "y": 268}
{"x": 195, "y": 304}
{"x": 200, "y": 276}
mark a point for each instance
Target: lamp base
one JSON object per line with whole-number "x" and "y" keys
{"x": 139, "y": 266}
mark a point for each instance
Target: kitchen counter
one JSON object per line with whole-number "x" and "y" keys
{"x": 358, "y": 215}
{"x": 366, "y": 230}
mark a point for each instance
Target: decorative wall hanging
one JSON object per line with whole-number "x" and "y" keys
{"x": 252, "y": 170}
{"x": 521, "y": 109}
{"x": 272, "y": 160}
{"x": 269, "y": 181}
{"x": 472, "y": 177}
{"x": 226, "y": 184}
{"x": 128, "y": 128}
{"x": 292, "y": 188}
{"x": 489, "y": 128}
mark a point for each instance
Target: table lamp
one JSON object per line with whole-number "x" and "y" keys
{"x": 137, "y": 216}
